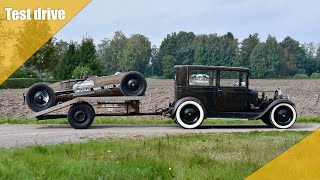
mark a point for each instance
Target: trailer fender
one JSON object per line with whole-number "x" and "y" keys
{"x": 273, "y": 104}
{"x": 180, "y": 101}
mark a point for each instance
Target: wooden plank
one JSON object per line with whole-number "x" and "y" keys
{"x": 115, "y": 99}
{"x": 54, "y": 108}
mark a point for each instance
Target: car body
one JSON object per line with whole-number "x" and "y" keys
{"x": 223, "y": 92}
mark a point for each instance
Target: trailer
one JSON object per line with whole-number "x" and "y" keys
{"x": 82, "y": 109}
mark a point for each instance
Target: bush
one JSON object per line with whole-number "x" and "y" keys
{"x": 300, "y": 76}
{"x": 24, "y": 73}
{"x": 80, "y": 70}
{"x": 20, "y": 83}
{"x": 315, "y": 75}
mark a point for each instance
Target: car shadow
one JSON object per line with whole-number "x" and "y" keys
{"x": 205, "y": 126}
{"x": 234, "y": 126}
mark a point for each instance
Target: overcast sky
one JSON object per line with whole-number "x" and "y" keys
{"x": 157, "y": 18}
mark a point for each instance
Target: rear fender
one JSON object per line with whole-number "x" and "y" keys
{"x": 274, "y": 103}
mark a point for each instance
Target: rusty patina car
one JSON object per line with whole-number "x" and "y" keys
{"x": 41, "y": 96}
{"x": 223, "y": 92}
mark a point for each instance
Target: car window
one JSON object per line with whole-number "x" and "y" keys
{"x": 202, "y": 77}
{"x": 229, "y": 78}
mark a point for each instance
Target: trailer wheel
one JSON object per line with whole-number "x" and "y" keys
{"x": 80, "y": 116}
{"x": 283, "y": 116}
{"x": 190, "y": 114}
{"x": 40, "y": 96}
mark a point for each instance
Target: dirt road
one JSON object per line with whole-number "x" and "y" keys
{"x": 26, "y": 135}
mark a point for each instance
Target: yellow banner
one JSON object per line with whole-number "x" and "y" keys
{"x": 302, "y": 161}
{"x": 25, "y": 26}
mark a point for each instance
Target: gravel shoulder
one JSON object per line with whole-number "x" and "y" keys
{"x": 27, "y": 135}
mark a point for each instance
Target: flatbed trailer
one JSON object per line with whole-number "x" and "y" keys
{"x": 82, "y": 109}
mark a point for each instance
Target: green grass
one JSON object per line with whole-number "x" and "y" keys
{"x": 128, "y": 120}
{"x": 192, "y": 156}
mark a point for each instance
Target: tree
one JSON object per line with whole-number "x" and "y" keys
{"x": 310, "y": 64}
{"x": 247, "y": 46}
{"x": 45, "y": 58}
{"x": 136, "y": 54}
{"x": 228, "y": 50}
{"x": 155, "y": 65}
{"x": 265, "y": 59}
{"x": 168, "y": 63}
{"x": 179, "y": 47}
{"x": 293, "y": 57}
{"x": 110, "y": 52}
{"x": 88, "y": 56}
{"x": 67, "y": 63}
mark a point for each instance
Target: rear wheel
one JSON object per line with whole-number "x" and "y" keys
{"x": 283, "y": 116}
{"x": 190, "y": 114}
{"x": 81, "y": 116}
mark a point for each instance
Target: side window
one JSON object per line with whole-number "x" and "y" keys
{"x": 229, "y": 78}
{"x": 202, "y": 77}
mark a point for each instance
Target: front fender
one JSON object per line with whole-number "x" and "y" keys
{"x": 274, "y": 103}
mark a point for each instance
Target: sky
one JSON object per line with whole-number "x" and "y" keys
{"x": 157, "y": 18}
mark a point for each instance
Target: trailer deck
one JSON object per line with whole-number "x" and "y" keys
{"x": 112, "y": 106}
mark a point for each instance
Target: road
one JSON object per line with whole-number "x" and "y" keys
{"x": 26, "y": 135}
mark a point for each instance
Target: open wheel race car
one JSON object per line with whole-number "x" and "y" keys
{"x": 41, "y": 96}
{"x": 223, "y": 92}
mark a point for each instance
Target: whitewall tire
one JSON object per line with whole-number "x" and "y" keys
{"x": 283, "y": 116}
{"x": 190, "y": 114}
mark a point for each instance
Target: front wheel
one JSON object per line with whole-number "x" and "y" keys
{"x": 283, "y": 116}
{"x": 190, "y": 114}
{"x": 40, "y": 96}
{"x": 80, "y": 116}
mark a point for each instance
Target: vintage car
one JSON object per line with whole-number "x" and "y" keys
{"x": 41, "y": 96}
{"x": 223, "y": 92}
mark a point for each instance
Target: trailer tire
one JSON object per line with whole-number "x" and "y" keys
{"x": 190, "y": 114}
{"x": 40, "y": 96}
{"x": 81, "y": 116}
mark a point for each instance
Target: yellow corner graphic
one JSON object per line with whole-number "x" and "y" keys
{"x": 301, "y": 161}
{"x": 20, "y": 39}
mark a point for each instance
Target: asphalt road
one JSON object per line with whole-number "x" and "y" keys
{"x": 26, "y": 135}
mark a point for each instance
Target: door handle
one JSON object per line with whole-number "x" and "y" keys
{"x": 219, "y": 90}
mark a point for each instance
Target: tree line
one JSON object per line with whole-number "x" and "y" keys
{"x": 266, "y": 59}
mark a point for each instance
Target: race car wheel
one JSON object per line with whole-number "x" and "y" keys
{"x": 81, "y": 116}
{"x": 190, "y": 114}
{"x": 133, "y": 84}
{"x": 40, "y": 96}
{"x": 283, "y": 116}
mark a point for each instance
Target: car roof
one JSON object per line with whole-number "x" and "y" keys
{"x": 226, "y": 68}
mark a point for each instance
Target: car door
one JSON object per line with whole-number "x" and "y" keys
{"x": 232, "y": 91}
{"x": 202, "y": 85}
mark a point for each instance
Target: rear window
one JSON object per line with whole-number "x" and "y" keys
{"x": 202, "y": 77}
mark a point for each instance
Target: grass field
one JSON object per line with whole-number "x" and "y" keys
{"x": 117, "y": 120}
{"x": 196, "y": 156}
